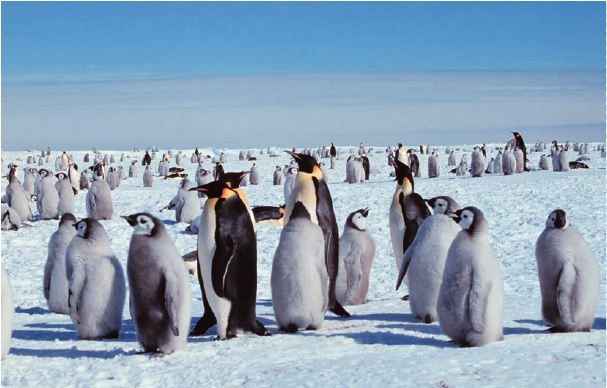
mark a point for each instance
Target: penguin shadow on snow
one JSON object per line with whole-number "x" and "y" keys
{"x": 598, "y": 324}
{"x": 169, "y": 222}
{"x": 389, "y": 338}
{"x": 68, "y": 353}
{"x": 31, "y": 311}
{"x": 67, "y": 332}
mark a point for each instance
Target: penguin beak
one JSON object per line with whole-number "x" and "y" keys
{"x": 201, "y": 189}
{"x": 365, "y": 212}
{"x": 454, "y": 216}
{"x": 295, "y": 155}
{"x": 130, "y": 220}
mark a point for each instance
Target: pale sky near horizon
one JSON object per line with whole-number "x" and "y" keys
{"x": 119, "y": 75}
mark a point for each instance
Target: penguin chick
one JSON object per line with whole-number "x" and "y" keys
{"x": 55, "y": 284}
{"x": 443, "y": 205}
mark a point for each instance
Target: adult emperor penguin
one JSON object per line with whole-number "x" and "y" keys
{"x": 433, "y": 167}
{"x": 227, "y": 256}
{"x": 278, "y": 176}
{"x": 55, "y": 284}
{"x": 424, "y": 262}
{"x": 97, "y": 285}
{"x": 8, "y": 310}
{"x": 47, "y": 198}
{"x": 218, "y": 171}
{"x": 477, "y": 164}
{"x": 312, "y": 191}
{"x": 99, "y": 200}
{"x": 160, "y": 289}
{"x": 471, "y": 295}
{"x": 404, "y": 188}
{"x": 356, "y": 252}
{"x": 569, "y": 276}
{"x": 66, "y": 194}
{"x": 415, "y": 211}
{"x": 520, "y": 144}
{"x": 299, "y": 279}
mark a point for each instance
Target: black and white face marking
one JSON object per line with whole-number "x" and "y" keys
{"x": 557, "y": 219}
{"x": 466, "y": 219}
{"x": 81, "y": 228}
{"x": 360, "y": 221}
{"x": 141, "y": 223}
{"x": 440, "y": 206}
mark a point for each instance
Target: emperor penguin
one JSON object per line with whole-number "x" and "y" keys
{"x": 74, "y": 176}
{"x": 278, "y": 175}
{"x": 498, "y": 163}
{"x": 55, "y": 283}
{"x": 47, "y": 198}
{"x": 424, "y": 262}
{"x": 312, "y": 191}
{"x": 227, "y": 260}
{"x": 415, "y": 211}
{"x": 555, "y": 153}
{"x": 366, "y": 166}
{"x": 569, "y": 276}
{"x": 443, "y": 205}
{"x": 451, "y": 162}
{"x": 351, "y": 170}
{"x": 404, "y": 188}
{"x": 325, "y": 173}
{"x": 148, "y": 177}
{"x": 462, "y": 169}
{"x": 401, "y": 155}
{"x": 520, "y": 144}
{"x": 299, "y": 279}
{"x": 218, "y": 171}
{"x": 563, "y": 160}
{"x": 508, "y": 162}
{"x": 543, "y": 164}
{"x": 203, "y": 176}
{"x": 121, "y": 174}
{"x": 17, "y": 199}
{"x": 133, "y": 169}
{"x": 433, "y": 167}
{"x": 160, "y": 296}
{"x": 8, "y": 310}
{"x": 28, "y": 181}
{"x": 10, "y": 219}
{"x": 477, "y": 164}
{"x": 519, "y": 156}
{"x": 99, "y": 200}
{"x": 414, "y": 163}
{"x": 84, "y": 181}
{"x": 112, "y": 178}
{"x": 112, "y": 159}
{"x": 66, "y": 194}
{"x": 254, "y": 177}
{"x": 471, "y": 295}
{"x": 187, "y": 205}
{"x": 356, "y": 252}
{"x": 289, "y": 181}
{"x": 97, "y": 285}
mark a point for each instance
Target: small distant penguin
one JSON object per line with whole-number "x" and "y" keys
{"x": 433, "y": 167}
{"x": 133, "y": 169}
{"x": 106, "y": 159}
{"x": 519, "y": 157}
{"x": 278, "y": 175}
{"x": 401, "y": 155}
{"x": 121, "y": 174}
{"x": 404, "y": 187}
{"x": 424, "y": 262}
{"x": 122, "y": 157}
{"x": 508, "y": 162}
{"x": 333, "y": 163}
{"x": 366, "y": 166}
{"x": 332, "y": 150}
{"x": 223, "y": 158}
{"x": 351, "y": 170}
{"x": 299, "y": 279}
{"x": 489, "y": 169}
{"x": 472, "y": 291}
{"x": 218, "y": 171}
{"x": 414, "y": 163}
{"x": 147, "y": 159}
{"x": 356, "y": 252}
{"x": 148, "y": 177}
{"x": 556, "y": 160}
{"x": 242, "y": 155}
{"x": 323, "y": 168}
{"x": 28, "y": 181}
{"x": 254, "y": 177}
{"x": 97, "y": 285}
{"x": 179, "y": 159}
{"x": 99, "y": 200}
{"x": 10, "y": 219}
{"x": 564, "y": 160}
{"x": 520, "y": 144}
{"x": 498, "y": 163}
{"x": 74, "y": 177}
{"x": 64, "y": 161}
{"x": 569, "y": 276}
{"x": 289, "y": 181}
{"x": 452, "y": 161}
{"x": 47, "y": 198}
{"x": 17, "y": 199}
{"x": 41, "y": 161}
{"x": 66, "y": 194}
{"x": 86, "y": 158}
{"x": 160, "y": 296}
{"x": 227, "y": 261}
{"x": 112, "y": 160}
{"x": 543, "y": 164}
{"x": 85, "y": 182}
{"x": 55, "y": 284}
{"x": 462, "y": 169}
{"x": 8, "y": 310}
{"x": 187, "y": 205}
{"x": 477, "y": 164}
{"x": 269, "y": 215}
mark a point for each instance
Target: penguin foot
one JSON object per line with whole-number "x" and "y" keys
{"x": 261, "y": 330}
{"x": 405, "y": 297}
{"x": 290, "y": 328}
{"x": 112, "y": 334}
{"x": 555, "y": 329}
{"x": 339, "y": 310}
{"x": 203, "y": 324}
{"x": 428, "y": 319}
{"x": 311, "y": 327}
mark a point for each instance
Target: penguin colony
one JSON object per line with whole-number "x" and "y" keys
{"x": 441, "y": 250}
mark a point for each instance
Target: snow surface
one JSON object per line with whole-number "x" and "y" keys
{"x": 381, "y": 344}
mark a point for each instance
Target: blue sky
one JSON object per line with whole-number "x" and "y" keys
{"x": 146, "y": 55}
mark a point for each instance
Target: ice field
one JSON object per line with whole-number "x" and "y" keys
{"x": 382, "y": 344}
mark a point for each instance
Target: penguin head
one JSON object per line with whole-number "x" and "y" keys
{"x": 185, "y": 184}
{"x": 67, "y": 219}
{"x": 213, "y": 189}
{"x": 443, "y": 204}
{"x": 89, "y": 228}
{"x": 233, "y": 179}
{"x": 471, "y": 220}
{"x": 144, "y": 224}
{"x": 358, "y": 219}
{"x": 403, "y": 173}
{"x": 557, "y": 219}
{"x": 61, "y": 175}
{"x": 307, "y": 164}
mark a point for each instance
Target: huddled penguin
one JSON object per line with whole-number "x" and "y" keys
{"x": 356, "y": 252}
{"x": 569, "y": 276}
{"x": 433, "y": 166}
{"x": 312, "y": 191}
{"x": 424, "y": 262}
{"x": 11, "y": 220}
{"x": 133, "y": 169}
{"x": 404, "y": 188}
{"x": 477, "y": 163}
{"x": 498, "y": 163}
{"x": 85, "y": 182}
{"x": 508, "y": 162}
{"x": 47, "y": 198}
{"x": 99, "y": 200}
{"x": 187, "y": 205}
{"x": 148, "y": 177}
{"x": 278, "y": 176}
{"x": 254, "y": 177}
{"x": 160, "y": 296}
{"x": 227, "y": 258}
{"x": 66, "y": 194}
{"x": 299, "y": 279}
{"x": 97, "y": 285}
{"x": 543, "y": 164}
{"x": 8, "y": 310}
{"x": 55, "y": 284}
{"x": 472, "y": 292}
{"x": 289, "y": 181}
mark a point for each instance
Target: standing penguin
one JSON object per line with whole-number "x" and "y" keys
{"x": 299, "y": 277}
{"x": 520, "y": 144}
{"x": 569, "y": 276}
{"x": 28, "y": 181}
{"x": 451, "y": 161}
{"x": 404, "y": 188}
{"x": 351, "y": 170}
{"x": 366, "y": 166}
{"x": 477, "y": 164}
{"x": 563, "y": 157}
{"x": 433, "y": 167}
{"x": 519, "y": 157}
{"x": 414, "y": 163}
{"x": 227, "y": 259}
{"x": 312, "y": 191}
{"x": 401, "y": 154}
{"x": 8, "y": 310}
{"x": 218, "y": 171}
{"x": 187, "y": 205}
{"x": 148, "y": 177}
{"x": 415, "y": 211}
{"x": 17, "y": 199}
{"x": 498, "y": 163}
{"x": 66, "y": 194}
{"x": 472, "y": 292}
{"x": 99, "y": 200}
{"x": 73, "y": 176}
{"x": 84, "y": 181}
{"x": 112, "y": 178}
{"x": 55, "y": 283}
{"x": 356, "y": 252}
{"x": 543, "y": 164}
{"x": 278, "y": 175}
{"x": 133, "y": 169}
{"x": 508, "y": 162}
{"x": 289, "y": 181}
{"x": 97, "y": 284}
{"x": 254, "y": 175}
{"x": 160, "y": 289}
{"x": 424, "y": 262}
{"x": 47, "y": 198}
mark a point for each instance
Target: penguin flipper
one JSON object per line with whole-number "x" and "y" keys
{"x": 404, "y": 266}
{"x": 221, "y": 260}
{"x": 477, "y": 303}
{"x": 566, "y": 285}
{"x": 171, "y": 303}
{"x": 77, "y": 284}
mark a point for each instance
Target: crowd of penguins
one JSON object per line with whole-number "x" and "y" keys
{"x": 441, "y": 249}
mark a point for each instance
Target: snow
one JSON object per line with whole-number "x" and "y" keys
{"x": 381, "y": 344}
